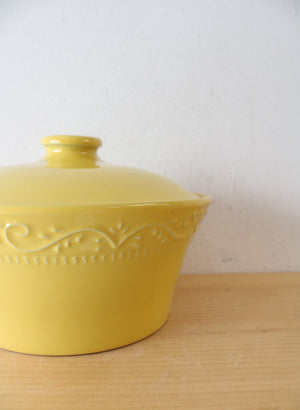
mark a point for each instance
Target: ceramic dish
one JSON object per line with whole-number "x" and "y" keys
{"x": 89, "y": 252}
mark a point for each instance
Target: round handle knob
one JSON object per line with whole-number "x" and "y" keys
{"x": 71, "y": 151}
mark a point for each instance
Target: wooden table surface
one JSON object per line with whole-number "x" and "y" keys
{"x": 232, "y": 342}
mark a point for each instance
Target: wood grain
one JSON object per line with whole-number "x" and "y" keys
{"x": 232, "y": 342}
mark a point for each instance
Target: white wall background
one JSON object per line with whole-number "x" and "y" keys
{"x": 204, "y": 92}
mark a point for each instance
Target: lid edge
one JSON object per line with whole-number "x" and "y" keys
{"x": 202, "y": 199}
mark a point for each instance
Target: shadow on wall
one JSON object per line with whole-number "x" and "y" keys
{"x": 245, "y": 234}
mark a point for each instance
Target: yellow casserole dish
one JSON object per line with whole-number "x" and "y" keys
{"x": 89, "y": 252}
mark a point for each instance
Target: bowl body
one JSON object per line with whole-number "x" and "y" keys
{"x": 84, "y": 279}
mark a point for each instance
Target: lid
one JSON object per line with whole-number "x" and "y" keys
{"x": 72, "y": 174}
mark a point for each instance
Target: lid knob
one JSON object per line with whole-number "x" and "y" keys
{"x": 71, "y": 151}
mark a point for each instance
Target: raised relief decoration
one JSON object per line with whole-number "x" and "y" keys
{"x": 91, "y": 245}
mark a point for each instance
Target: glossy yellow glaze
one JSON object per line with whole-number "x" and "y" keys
{"x": 92, "y": 266}
{"x": 71, "y": 173}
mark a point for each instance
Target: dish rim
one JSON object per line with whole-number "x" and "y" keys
{"x": 201, "y": 200}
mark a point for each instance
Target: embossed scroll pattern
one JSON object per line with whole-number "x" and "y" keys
{"x": 97, "y": 245}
